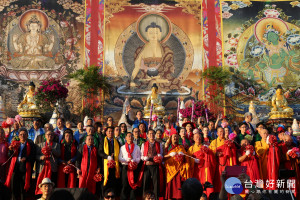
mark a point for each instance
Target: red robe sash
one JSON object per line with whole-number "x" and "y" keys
{"x": 86, "y": 179}
{"x": 61, "y": 175}
{"x": 252, "y": 166}
{"x": 160, "y": 168}
{"x": 130, "y": 174}
{"x": 273, "y": 164}
{"x": 12, "y": 166}
{"x": 46, "y": 171}
{"x": 228, "y": 158}
{"x": 204, "y": 171}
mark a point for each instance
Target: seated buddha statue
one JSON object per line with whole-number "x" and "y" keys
{"x": 280, "y": 108}
{"x": 155, "y": 100}
{"x": 28, "y": 107}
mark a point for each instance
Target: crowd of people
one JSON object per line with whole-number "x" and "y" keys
{"x": 149, "y": 160}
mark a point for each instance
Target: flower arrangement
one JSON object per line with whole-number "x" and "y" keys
{"x": 232, "y": 136}
{"x": 15, "y": 144}
{"x": 46, "y": 150}
{"x": 250, "y": 148}
{"x": 178, "y": 158}
{"x": 294, "y": 152}
{"x": 249, "y": 138}
{"x": 49, "y": 92}
{"x": 98, "y": 177}
{"x": 157, "y": 159}
{"x": 200, "y": 110}
{"x": 132, "y": 165}
{"x": 111, "y": 164}
{"x": 272, "y": 140}
{"x": 154, "y": 118}
{"x": 18, "y": 118}
{"x": 67, "y": 169}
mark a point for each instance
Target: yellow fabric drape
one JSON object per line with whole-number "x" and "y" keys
{"x": 116, "y": 159}
{"x": 215, "y": 144}
{"x": 173, "y": 167}
{"x": 261, "y": 148}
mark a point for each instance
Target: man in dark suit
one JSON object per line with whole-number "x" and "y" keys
{"x": 19, "y": 175}
{"x": 109, "y": 149}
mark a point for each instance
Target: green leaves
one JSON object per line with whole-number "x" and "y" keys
{"x": 217, "y": 75}
{"x": 91, "y": 81}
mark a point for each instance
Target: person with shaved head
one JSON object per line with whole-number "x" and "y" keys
{"x": 247, "y": 157}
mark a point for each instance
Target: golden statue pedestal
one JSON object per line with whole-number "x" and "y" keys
{"x": 29, "y": 113}
{"x": 160, "y": 114}
{"x": 281, "y": 115}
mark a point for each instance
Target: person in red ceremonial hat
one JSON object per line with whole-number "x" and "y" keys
{"x": 130, "y": 156}
{"x": 152, "y": 155}
{"x": 19, "y": 173}
{"x": 225, "y": 152}
{"x": 47, "y": 154}
{"x": 189, "y": 127}
{"x": 89, "y": 163}
{"x": 204, "y": 166}
{"x": 178, "y": 166}
{"x": 280, "y": 133}
{"x": 247, "y": 157}
{"x": 66, "y": 172}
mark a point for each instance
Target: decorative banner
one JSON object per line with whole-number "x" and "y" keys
{"x": 261, "y": 46}
{"x": 146, "y": 44}
{"x": 40, "y": 42}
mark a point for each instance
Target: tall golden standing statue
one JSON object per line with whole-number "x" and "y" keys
{"x": 28, "y": 107}
{"x": 280, "y": 108}
{"x": 155, "y": 100}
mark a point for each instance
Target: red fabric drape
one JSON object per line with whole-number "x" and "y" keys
{"x": 61, "y": 174}
{"x": 130, "y": 173}
{"x": 12, "y": 166}
{"x": 86, "y": 179}
{"x": 273, "y": 165}
{"x": 94, "y": 32}
{"x": 46, "y": 172}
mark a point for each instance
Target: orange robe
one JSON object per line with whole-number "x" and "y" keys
{"x": 205, "y": 170}
{"x": 174, "y": 170}
{"x": 227, "y": 158}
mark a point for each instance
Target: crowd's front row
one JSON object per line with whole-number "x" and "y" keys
{"x": 151, "y": 164}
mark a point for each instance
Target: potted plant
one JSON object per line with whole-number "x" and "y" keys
{"x": 91, "y": 82}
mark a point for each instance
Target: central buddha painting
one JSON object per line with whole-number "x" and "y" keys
{"x": 152, "y": 48}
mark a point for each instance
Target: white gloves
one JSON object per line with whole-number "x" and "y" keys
{"x": 267, "y": 141}
{"x": 197, "y": 160}
{"x": 145, "y": 158}
{"x": 109, "y": 158}
{"x": 180, "y": 153}
{"x": 172, "y": 154}
{"x": 247, "y": 152}
{"x": 128, "y": 159}
{"x": 159, "y": 155}
{"x": 288, "y": 151}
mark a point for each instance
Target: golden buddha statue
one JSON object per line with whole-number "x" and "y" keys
{"x": 28, "y": 107}
{"x": 280, "y": 108}
{"x": 155, "y": 100}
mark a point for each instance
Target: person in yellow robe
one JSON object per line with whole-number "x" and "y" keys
{"x": 225, "y": 152}
{"x": 261, "y": 148}
{"x": 177, "y": 166}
